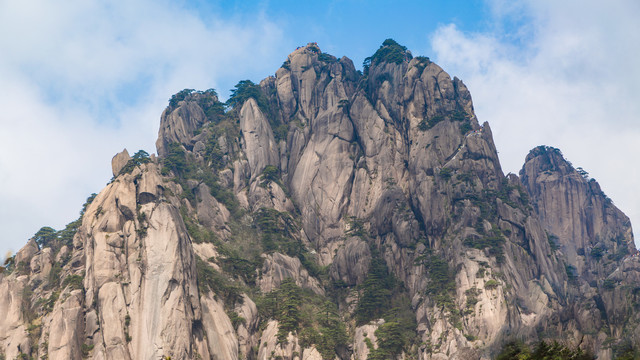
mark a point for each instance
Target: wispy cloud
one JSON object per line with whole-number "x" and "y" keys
{"x": 563, "y": 74}
{"x": 83, "y": 79}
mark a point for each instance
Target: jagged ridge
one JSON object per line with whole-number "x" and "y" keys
{"x": 330, "y": 213}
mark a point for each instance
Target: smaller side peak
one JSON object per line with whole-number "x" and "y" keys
{"x": 300, "y": 52}
{"x": 310, "y": 48}
{"x": 192, "y": 95}
{"x": 545, "y": 158}
{"x": 544, "y": 150}
{"x": 306, "y": 56}
{"x": 389, "y": 52}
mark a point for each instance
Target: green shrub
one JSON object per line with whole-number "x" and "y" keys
{"x": 139, "y": 158}
{"x": 278, "y": 232}
{"x": 313, "y": 47}
{"x": 243, "y": 91}
{"x": 50, "y": 302}
{"x": 181, "y": 95}
{"x": 571, "y": 272}
{"x": 54, "y": 275}
{"x": 45, "y": 236}
{"x": 491, "y": 284}
{"x": 460, "y": 115}
{"x": 208, "y": 102}
{"x": 609, "y": 284}
{"x": 472, "y": 297}
{"x": 280, "y": 130}
{"x": 625, "y": 350}
{"x": 543, "y": 350}
{"x": 441, "y": 278}
{"x": 233, "y": 263}
{"x": 315, "y": 320}
{"x": 327, "y": 58}
{"x": 289, "y": 316}
{"x": 142, "y": 232}
{"x": 199, "y": 234}
{"x": 514, "y": 350}
{"x": 553, "y": 241}
{"x": 445, "y": 173}
{"x": 465, "y": 127}
{"x": 422, "y": 63}
{"x": 73, "y": 282}
{"x": 270, "y": 173}
{"x": 283, "y": 304}
{"x": 211, "y": 280}
{"x": 213, "y": 154}
{"x": 390, "y": 51}
{"x": 86, "y": 349}
{"x": 23, "y": 268}
{"x": 493, "y": 241}
{"x": 427, "y": 124}
{"x": 376, "y": 290}
{"x": 236, "y": 319}
{"x": 597, "y": 253}
{"x": 470, "y": 337}
{"x": 390, "y": 341}
{"x": 466, "y": 177}
{"x": 176, "y": 160}
{"x": 226, "y": 197}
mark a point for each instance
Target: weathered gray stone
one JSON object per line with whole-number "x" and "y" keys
{"x": 393, "y": 167}
{"x": 278, "y": 267}
{"x": 118, "y": 161}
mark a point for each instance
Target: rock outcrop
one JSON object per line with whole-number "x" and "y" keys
{"x": 596, "y": 242}
{"x": 328, "y": 213}
{"x": 119, "y": 161}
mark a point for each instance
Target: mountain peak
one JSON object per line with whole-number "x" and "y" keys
{"x": 324, "y": 213}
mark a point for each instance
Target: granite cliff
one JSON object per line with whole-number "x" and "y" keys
{"x": 328, "y": 213}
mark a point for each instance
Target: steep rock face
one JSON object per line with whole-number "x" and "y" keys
{"x": 12, "y": 327}
{"x": 320, "y": 166}
{"x": 179, "y": 121}
{"x": 66, "y": 328}
{"x": 595, "y": 240}
{"x": 388, "y": 156}
{"x": 326, "y": 205}
{"x": 145, "y": 293}
{"x": 278, "y": 267}
{"x": 361, "y": 349}
{"x": 351, "y": 262}
{"x": 579, "y": 217}
{"x": 260, "y": 146}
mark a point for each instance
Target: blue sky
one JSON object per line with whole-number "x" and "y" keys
{"x": 357, "y": 27}
{"x": 351, "y": 28}
{"x": 81, "y": 80}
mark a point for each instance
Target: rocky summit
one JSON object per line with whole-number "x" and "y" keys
{"x": 329, "y": 213}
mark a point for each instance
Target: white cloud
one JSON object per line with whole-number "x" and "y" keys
{"x": 566, "y": 76}
{"x": 83, "y": 79}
